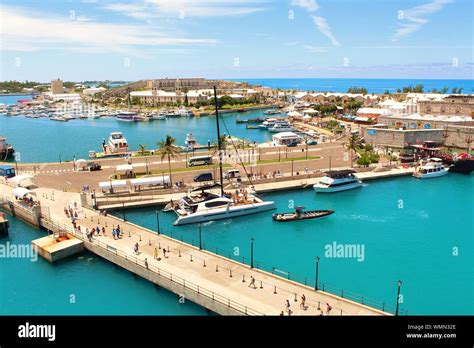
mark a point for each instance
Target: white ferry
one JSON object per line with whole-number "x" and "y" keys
{"x": 281, "y": 127}
{"x": 433, "y": 169}
{"x": 338, "y": 180}
{"x": 128, "y": 116}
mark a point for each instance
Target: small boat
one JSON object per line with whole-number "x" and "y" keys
{"x": 190, "y": 140}
{"x": 271, "y": 112}
{"x": 59, "y": 118}
{"x": 128, "y": 116}
{"x": 433, "y": 169}
{"x": 299, "y": 214}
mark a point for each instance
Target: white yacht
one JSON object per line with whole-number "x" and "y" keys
{"x": 190, "y": 140}
{"x": 117, "y": 143}
{"x": 433, "y": 169}
{"x": 281, "y": 127}
{"x": 207, "y": 206}
{"x": 128, "y": 116}
{"x": 184, "y": 112}
{"x": 158, "y": 116}
{"x": 338, "y": 180}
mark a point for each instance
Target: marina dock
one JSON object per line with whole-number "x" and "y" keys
{"x": 210, "y": 280}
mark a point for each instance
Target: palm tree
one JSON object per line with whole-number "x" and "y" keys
{"x": 168, "y": 149}
{"x": 353, "y": 143}
{"x": 142, "y": 149}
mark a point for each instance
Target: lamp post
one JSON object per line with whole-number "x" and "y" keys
{"x": 158, "y": 222}
{"x": 251, "y": 252}
{"x": 146, "y": 165}
{"x": 60, "y": 159}
{"x": 317, "y": 273}
{"x": 200, "y": 237}
{"x": 292, "y": 162}
{"x": 399, "y": 283}
{"x": 123, "y": 211}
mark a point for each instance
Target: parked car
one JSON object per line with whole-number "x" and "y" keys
{"x": 312, "y": 142}
{"x": 203, "y": 177}
{"x": 292, "y": 144}
{"x": 94, "y": 166}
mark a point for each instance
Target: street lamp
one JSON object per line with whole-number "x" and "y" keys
{"x": 292, "y": 162}
{"x": 200, "y": 237}
{"x": 251, "y": 252}
{"x": 123, "y": 211}
{"x": 158, "y": 222}
{"x": 399, "y": 283}
{"x": 317, "y": 273}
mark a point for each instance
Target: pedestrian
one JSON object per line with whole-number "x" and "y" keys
{"x": 282, "y": 313}
{"x": 287, "y": 306}
{"x": 303, "y": 302}
{"x": 103, "y": 230}
{"x": 113, "y": 233}
{"x": 98, "y": 230}
{"x": 252, "y": 282}
{"x": 164, "y": 253}
{"x": 155, "y": 254}
{"x": 136, "y": 248}
{"x": 328, "y": 308}
{"x": 146, "y": 263}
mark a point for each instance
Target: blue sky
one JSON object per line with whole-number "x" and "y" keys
{"x": 130, "y": 40}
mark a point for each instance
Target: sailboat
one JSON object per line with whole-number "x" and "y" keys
{"x": 205, "y": 206}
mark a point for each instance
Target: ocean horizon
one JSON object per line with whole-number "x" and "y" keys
{"x": 373, "y": 85}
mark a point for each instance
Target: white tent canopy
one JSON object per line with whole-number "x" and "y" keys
{"x": 154, "y": 180}
{"x": 112, "y": 184}
{"x": 23, "y": 180}
{"x": 307, "y": 117}
{"x": 21, "y": 192}
{"x": 310, "y": 111}
{"x": 294, "y": 114}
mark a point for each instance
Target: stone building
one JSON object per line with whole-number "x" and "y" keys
{"x": 400, "y": 138}
{"x": 462, "y": 104}
{"x": 57, "y": 87}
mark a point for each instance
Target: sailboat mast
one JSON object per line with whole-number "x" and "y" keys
{"x": 219, "y": 145}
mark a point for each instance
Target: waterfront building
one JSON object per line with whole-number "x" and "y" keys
{"x": 372, "y": 113}
{"x": 157, "y": 97}
{"x": 93, "y": 90}
{"x": 455, "y": 104}
{"x": 285, "y": 138}
{"x": 400, "y": 138}
{"x": 175, "y": 85}
{"x": 69, "y": 97}
{"x": 57, "y": 87}
{"x": 333, "y": 98}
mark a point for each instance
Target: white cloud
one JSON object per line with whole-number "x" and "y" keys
{"x": 308, "y": 5}
{"x": 414, "y": 18}
{"x": 187, "y": 8}
{"x": 23, "y": 30}
{"x": 325, "y": 29}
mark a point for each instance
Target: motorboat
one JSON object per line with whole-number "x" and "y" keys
{"x": 338, "y": 180}
{"x": 159, "y": 116}
{"x": 117, "y": 143}
{"x": 271, "y": 112}
{"x": 59, "y": 118}
{"x": 432, "y": 169}
{"x": 6, "y": 150}
{"x": 207, "y": 206}
{"x": 299, "y": 215}
{"x": 185, "y": 113}
{"x": 190, "y": 140}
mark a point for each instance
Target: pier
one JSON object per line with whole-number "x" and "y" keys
{"x": 215, "y": 282}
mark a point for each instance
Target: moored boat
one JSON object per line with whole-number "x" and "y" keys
{"x": 338, "y": 180}
{"x": 299, "y": 215}
{"x": 433, "y": 169}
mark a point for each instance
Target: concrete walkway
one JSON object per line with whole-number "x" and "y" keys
{"x": 231, "y": 281}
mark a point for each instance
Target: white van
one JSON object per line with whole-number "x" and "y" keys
{"x": 232, "y": 174}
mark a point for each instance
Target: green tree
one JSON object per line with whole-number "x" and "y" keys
{"x": 168, "y": 149}
{"x": 142, "y": 149}
{"x": 353, "y": 144}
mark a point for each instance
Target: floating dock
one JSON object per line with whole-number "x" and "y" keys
{"x": 54, "y": 248}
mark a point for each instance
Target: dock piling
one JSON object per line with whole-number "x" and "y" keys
{"x": 261, "y": 285}
{"x": 217, "y": 268}
{"x": 191, "y": 258}
{"x": 204, "y": 263}
{"x": 243, "y": 278}
{"x": 275, "y": 290}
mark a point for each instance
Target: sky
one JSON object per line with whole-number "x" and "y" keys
{"x": 80, "y": 40}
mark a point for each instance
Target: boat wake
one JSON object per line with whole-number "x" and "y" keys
{"x": 367, "y": 218}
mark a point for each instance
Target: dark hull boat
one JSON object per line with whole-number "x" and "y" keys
{"x": 304, "y": 215}
{"x": 465, "y": 166}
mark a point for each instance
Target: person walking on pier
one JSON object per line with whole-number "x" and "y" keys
{"x": 287, "y": 307}
{"x": 328, "y": 308}
{"x": 146, "y": 263}
{"x": 103, "y": 231}
{"x": 252, "y": 282}
{"x": 136, "y": 249}
{"x": 303, "y": 302}
{"x": 113, "y": 233}
{"x": 155, "y": 255}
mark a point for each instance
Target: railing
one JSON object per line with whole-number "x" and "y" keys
{"x": 52, "y": 225}
{"x": 326, "y": 287}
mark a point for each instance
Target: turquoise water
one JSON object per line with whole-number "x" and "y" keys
{"x": 43, "y": 140}
{"x": 99, "y": 288}
{"x": 373, "y": 85}
{"x": 414, "y": 243}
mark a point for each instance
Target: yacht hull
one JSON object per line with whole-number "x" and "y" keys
{"x": 224, "y": 213}
{"x": 321, "y": 189}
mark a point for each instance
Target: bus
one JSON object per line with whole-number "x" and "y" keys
{"x": 200, "y": 161}
{"x": 7, "y": 171}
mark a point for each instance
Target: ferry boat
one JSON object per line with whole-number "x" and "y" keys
{"x": 6, "y": 150}
{"x": 117, "y": 143}
{"x": 159, "y": 116}
{"x": 433, "y": 169}
{"x": 128, "y": 116}
{"x": 270, "y": 122}
{"x": 281, "y": 127}
{"x": 185, "y": 113}
{"x": 338, "y": 180}
{"x": 207, "y": 206}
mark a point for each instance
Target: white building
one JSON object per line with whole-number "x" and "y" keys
{"x": 284, "y": 138}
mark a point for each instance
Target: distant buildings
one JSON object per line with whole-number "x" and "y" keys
{"x": 57, "y": 87}
{"x": 179, "y": 85}
{"x": 455, "y": 104}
